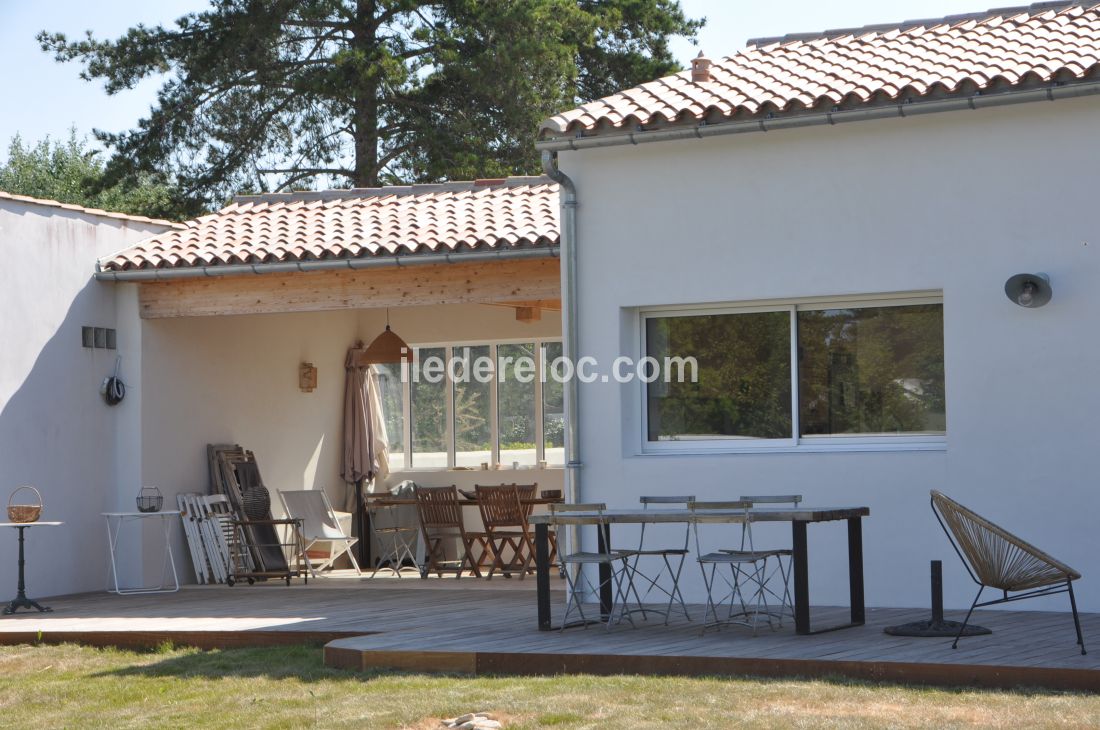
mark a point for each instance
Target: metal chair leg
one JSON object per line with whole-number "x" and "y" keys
{"x": 955, "y": 643}
{"x": 1076, "y": 618}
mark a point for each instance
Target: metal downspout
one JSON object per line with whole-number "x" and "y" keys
{"x": 568, "y": 254}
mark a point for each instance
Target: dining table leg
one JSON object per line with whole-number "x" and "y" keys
{"x": 603, "y": 545}
{"x": 542, "y": 574}
{"x": 855, "y": 570}
{"x": 801, "y": 578}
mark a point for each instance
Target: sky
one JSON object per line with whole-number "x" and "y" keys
{"x": 40, "y": 97}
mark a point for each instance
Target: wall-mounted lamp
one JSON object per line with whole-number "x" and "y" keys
{"x": 1029, "y": 290}
{"x": 307, "y": 377}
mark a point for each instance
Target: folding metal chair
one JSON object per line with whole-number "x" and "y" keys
{"x": 782, "y": 570}
{"x": 672, "y": 560}
{"x": 995, "y": 558}
{"x": 578, "y": 583}
{"x": 746, "y": 567}
{"x": 396, "y": 540}
{"x": 505, "y": 521}
{"x": 319, "y": 525}
{"x": 440, "y": 516}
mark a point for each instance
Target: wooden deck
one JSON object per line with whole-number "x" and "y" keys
{"x": 490, "y": 627}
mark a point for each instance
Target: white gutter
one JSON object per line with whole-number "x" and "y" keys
{"x": 194, "y": 272}
{"x": 568, "y": 244}
{"x": 703, "y": 130}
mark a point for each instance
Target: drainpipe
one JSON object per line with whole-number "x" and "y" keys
{"x": 568, "y": 254}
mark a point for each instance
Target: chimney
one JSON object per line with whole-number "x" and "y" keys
{"x": 700, "y": 69}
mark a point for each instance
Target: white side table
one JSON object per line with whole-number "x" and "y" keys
{"x": 115, "y": 521}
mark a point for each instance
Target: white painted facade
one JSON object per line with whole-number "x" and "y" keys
{"x": 56, "y": 433}
{"x": 953, "y": 203}
{"x": 190, "y": 382}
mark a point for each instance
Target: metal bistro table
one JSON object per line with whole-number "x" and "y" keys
{"x": 799, "y": 517}
{"x": 115, "y": 521}
{"x": 21, "y": 600}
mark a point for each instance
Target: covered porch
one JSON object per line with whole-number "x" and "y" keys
{"x": 228, "y": 312}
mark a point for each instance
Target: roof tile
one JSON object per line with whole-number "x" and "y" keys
{"x": 361, "y": 223}
{"x": 851, "y": 67}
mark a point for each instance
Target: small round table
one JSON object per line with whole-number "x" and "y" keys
{"x": 115, "y": 520}
{"x": 21, "y": 600}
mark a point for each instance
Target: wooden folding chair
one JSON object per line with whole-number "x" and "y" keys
{"x": 995, "y": 558}
{"x": 505, "y": 520}
{"x": 527, "y": 494}
{"x": 440, "y": 514}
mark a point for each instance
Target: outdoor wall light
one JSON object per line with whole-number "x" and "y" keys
{"x": 307, "y": 377}
{"x": 1029, "y": 290}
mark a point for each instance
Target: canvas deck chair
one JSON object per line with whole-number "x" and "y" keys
{"x": 320, "y": 527}
{"x": 995, "y": 558}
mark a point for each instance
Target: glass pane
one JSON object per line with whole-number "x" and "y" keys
{"x": 516, "y": 404}
{"x": 742, "y": 388}
{"x": 428, "y": 392}
{"x": 472, "y": 410}
{"x": 871, "y": 371}
{"x": 392, "y": 399}
{"x": 553, "y": 409}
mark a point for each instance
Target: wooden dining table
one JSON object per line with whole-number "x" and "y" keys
{"x": 799, "y": 517}
{"x": 383, "y": 500}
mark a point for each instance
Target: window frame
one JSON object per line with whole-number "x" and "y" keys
{"x": 494, "y": 418}
{"x": 797, "y": 442}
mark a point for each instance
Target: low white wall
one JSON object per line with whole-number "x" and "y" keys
{"x": 235, "y": 380}
{"x": 56, "y": 432}
{"x": 953, "y": 202}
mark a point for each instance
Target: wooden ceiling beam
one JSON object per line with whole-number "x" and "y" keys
{"x": 508, "y": 282}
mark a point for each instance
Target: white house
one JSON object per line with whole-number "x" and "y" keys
{"x": 56, "y": 432}
{"x": 843, "y": 285}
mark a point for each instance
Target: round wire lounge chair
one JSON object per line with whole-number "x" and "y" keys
{"x": 995, "y": 558}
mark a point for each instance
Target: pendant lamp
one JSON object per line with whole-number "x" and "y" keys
{"x": 388, "y": 347}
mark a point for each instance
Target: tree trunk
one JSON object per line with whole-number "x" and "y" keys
{"x": 365, "y": 107}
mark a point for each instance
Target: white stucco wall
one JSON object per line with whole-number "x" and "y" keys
{"x": 56, "y": 432}
{"x": 953, "y": 202}
{"x": 234, "y": 379}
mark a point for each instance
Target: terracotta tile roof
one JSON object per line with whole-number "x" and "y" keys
{"x": 412, "y": 220}
{"x": 89, "y": 211}
{"x": 1047, "y": 43}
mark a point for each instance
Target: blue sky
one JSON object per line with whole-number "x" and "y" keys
{"x": 43, "y": 97}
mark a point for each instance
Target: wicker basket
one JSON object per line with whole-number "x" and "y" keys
{"x": 24, "y": 513}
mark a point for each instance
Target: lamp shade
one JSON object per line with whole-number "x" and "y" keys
{"x": 387, "y": 347}
{"x": 1029, "y": 290}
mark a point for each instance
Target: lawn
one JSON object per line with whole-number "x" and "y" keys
{"x": 71, "y": 686}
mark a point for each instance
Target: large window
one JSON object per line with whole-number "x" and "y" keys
{"x": 480, "y": 403}
{"x": 831, "y": 373}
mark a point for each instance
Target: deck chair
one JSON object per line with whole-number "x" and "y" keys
{"x": 440, "y": 514}
{"x": 672, "y": 558}
{"x": 995, "y": 558}
{"x": 578, "y": 582}
{"x": 396, "y": 539}
{"x": 320, "y": 526}
{"x": 528, "y": 493}
{"x": 783, "y": 557}
{"x": 505, "y": 520}
{"x": 743, "y": 587}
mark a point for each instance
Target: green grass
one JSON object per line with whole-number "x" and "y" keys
{"x": 71, "y": 686}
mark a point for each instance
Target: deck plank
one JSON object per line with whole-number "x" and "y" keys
{"x": 476, "y": 626}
